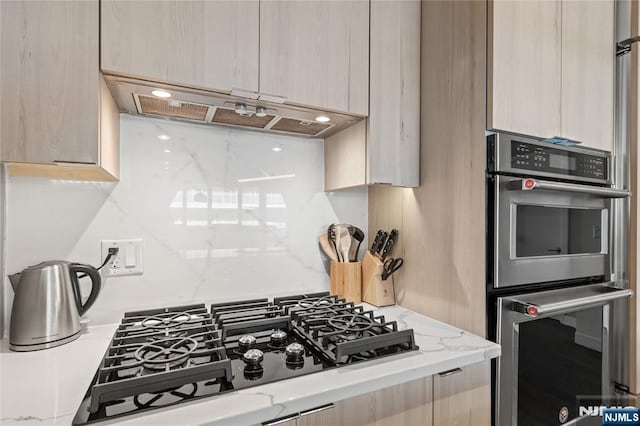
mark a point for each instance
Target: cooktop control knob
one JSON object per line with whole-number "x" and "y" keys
{"x": 253, "y": 357}
{"x": 246, "y": 342}
{"x": 294, "y": 353}
{"x": 278, "y": 337}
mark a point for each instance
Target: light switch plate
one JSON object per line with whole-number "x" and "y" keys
{"x": 128, "y": 261}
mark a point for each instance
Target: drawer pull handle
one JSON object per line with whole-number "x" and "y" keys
{"x": 317, "y": 410}
{"x": 281, "y": 420}
{"x": 450, "y": 372}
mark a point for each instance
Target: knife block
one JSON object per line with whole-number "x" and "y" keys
{"x": 346, "y": 280}
{"x": 375, "y": 291}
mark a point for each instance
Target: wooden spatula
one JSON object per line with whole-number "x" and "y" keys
{"x": 327, "y": 247}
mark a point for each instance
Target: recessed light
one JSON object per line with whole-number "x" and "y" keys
{"x": 161, "y": 93}
{"x": 276, "y": 149}
{"x": 261, "y": 112}
{"x": 164, "y": 137}
{"x": 322, "y": 119}
{"x": 167, "y": 151}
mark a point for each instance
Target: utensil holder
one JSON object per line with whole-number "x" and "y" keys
{"x": 375, "y": 291}
{"x": 346, "y": 280}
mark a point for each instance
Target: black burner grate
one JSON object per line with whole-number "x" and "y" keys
{"x": 159, "y": 349}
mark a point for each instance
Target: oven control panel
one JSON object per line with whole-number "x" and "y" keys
{"x": 558, "y": 161}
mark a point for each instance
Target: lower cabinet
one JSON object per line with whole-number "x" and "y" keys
{"x": 460, "y": 397}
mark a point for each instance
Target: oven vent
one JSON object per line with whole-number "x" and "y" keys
{"x": 301, "y": 127}
{"x": 171, "y": 108}
{"x": 229, "y": 116}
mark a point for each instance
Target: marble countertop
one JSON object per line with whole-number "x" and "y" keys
{"x": 46, "y": 387}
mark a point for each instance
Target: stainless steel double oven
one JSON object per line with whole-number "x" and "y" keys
{"x": 550, "y": 293}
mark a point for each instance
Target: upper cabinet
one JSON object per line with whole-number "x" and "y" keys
{"x": 588, "y": 61}
{"x": 524, "y": 66}
{"x": 385, "y": 148}
{"x": 550, "y": 69}
{"x": 316, "y": 53}
{"x": 310, "y": 53}
{"x": 201, "y": 44}
{"x": 58, "y": 118}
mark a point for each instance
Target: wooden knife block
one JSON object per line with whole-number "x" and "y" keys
{"x": 346, "y": 280}
{"x": 375, "y": 291}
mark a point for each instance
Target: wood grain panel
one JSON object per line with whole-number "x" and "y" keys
{"x": 109, "y": 133}
{"x": 50, "y": 81}
{"x": 394, "y": 117}
{"x": 456, "y": 400}
{"x": 206, "y": 44}
{"x": 588, "y": 58}
{"x": 407, "y": 404}
{"x": 55, "y": 171}
{"x": 524, "y": 66}
{"x": 316, "y": 53}
{"x": 442, "y": 223}
{"x": 345, "y": 156}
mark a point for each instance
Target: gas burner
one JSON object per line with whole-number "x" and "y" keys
{"x": 350, "y": 323}
{"x": 167, "y": 353}
{"x": 159, "y": 323}
{"x": 157, "y": 397}
{"x": 324, "y": 302}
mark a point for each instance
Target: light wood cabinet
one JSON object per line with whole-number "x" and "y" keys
{"x": 588, "y": 59}
{"x": 202, "y": 44}
{"x": 446, "y": 399}
{"x": 385, "y": 148}
{"x": 58, "y": 118}
{"x": 524, "y": 66}
{"x": 550, "y": 69}
{"x": 456, "y": 396}
{"x": 407, "y": 404}
{"x": 316, "y": 53}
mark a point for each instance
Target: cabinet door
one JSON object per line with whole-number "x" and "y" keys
{"x": 588, "y": 59}
{"x": 393, "y": 147}
{"x": 50, "y": 81}
{"x": 205, "y": 44}
{"x": 524, "y": 67}
{"x": 463, "y": 396}
{"x": 316, "y": 53}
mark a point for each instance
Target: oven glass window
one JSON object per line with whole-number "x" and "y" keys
{"x": 559, "y": 360}
{"x": 550, "y": 231}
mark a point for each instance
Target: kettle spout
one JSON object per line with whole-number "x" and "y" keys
{"x": 14, "y": 280}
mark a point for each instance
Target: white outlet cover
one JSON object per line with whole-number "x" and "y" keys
{"x": 117, "y": 265}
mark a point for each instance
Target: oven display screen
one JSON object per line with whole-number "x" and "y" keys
{"x": 562, "y": 162}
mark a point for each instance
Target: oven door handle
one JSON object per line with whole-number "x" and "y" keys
{"x": 554, "y": 302}
{"x": 533, "y": 184}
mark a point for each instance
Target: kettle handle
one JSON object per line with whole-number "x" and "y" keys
{"x": 96, "y": 284}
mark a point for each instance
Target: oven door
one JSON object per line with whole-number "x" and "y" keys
{"x": 555, "y": 350}
{"x": 549, "y": 231}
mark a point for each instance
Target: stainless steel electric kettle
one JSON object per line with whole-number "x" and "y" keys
{"x": 47, "y": 305}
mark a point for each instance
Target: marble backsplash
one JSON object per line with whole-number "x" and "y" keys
{"x": 224, "y": 214}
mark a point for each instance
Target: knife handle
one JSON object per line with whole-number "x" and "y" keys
{"x": 393, "y": 236}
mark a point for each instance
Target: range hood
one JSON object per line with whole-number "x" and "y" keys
{"x": 213, "y": 108}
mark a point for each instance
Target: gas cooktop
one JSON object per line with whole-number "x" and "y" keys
{"x": 162, "y": 357}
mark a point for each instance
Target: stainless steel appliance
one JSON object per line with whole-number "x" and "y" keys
{"x": 47, "y": 305}
{"x": 551, "y": 210}
{"x": 550, "y": 291}
{"x": 167, "y": 356}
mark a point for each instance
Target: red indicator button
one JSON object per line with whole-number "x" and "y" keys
{"x": 532, "y": 311}
{"x": 529, "y": 183}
